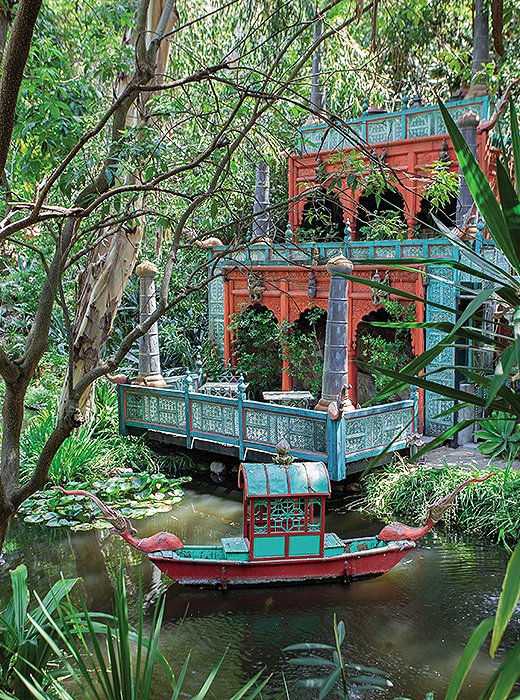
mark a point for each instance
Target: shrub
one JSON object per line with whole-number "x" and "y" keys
{"x": 491, "y": 508}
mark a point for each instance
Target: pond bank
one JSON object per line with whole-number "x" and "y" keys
{"x": 490, "y": 509}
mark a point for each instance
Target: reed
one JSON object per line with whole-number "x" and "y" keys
{"x": 490, "y": 509}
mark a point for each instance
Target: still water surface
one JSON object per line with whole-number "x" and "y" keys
{"x": 412, "y": 622}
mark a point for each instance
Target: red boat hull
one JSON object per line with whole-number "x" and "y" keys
{"x": 224, "y": 573}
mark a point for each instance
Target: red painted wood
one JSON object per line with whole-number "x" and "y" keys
{"x": 348, "y": 567}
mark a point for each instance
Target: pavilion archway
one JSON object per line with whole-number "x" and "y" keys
{"x": 388, "y": 202}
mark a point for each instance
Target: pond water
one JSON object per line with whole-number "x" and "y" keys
{"x": 412, "y": 622}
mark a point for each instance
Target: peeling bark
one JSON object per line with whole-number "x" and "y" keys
{"x": 103, "y": 281}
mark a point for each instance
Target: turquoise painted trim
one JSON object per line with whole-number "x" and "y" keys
{"x": 336, "y": 448}
{"x": 121, "y": 410}
{"x": 373, "y": 452}
{"x": 271, "y": 449}
{"x": 304, "y": 545}
{"x": 157, "y": 427}
{"x": 281, "y": 254}
{"x": 304, "y": 479}
{"x": 241, "y": 428}
{"x": 400, "y": 117}
{"x": 167, "y": 404}
{"x": 267, "y": 547}
{"x": 379, "y": 408}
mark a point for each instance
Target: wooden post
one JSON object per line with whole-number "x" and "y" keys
{"x": 261, "y": 216}
{"x": 241, "y": 395}
{"x": 188, "y": 387}
{"x": 335, "y": 361}
{"x": 336, "y": 447}
{"x": 468, "y": 124}
{"x": 149, "y": 358}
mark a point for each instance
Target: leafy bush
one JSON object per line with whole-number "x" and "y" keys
{"x": 443, "y": 185}
{"x": 301, "y": 349}
{"x": 384, "y": 226}
{"x": 257, "y": 348}
{"x": 491, "y": 508}
{"x": 382, "y": 353}
{"x": 27, "y": 637}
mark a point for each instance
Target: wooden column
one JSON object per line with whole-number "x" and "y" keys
{"x": 149, "y": 359}
{"x": 287, "y": 382}
{"x": 335, "y": 367}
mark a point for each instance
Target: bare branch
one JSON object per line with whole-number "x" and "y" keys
{"x": 12, "y": 70}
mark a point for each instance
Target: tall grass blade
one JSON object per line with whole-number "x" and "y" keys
{"x": 472, "y": 648}
{"x": 508, "y": 675}
{"x": 482, "y": 193}
{"x": 209, "y": 680}
{"x": 508, "y": 601}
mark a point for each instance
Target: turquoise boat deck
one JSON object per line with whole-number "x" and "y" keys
{"x": 237, "y": 549}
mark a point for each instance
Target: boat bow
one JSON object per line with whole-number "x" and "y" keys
{"x": 434, "y": 513}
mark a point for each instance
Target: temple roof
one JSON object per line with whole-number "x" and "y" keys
{"x": 297, "y": 479}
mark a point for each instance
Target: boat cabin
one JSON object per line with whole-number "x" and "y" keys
{"x": 284, "y": 508}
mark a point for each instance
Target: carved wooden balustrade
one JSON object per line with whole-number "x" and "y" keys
{"x": 251, "y": 429}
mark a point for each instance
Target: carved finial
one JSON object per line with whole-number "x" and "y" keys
{"x": 146, "y": 269}
{"x": 404, "y": 99}
{"x": 416, "y": 100}
{"x": 288, "y": 233}
{"x": 242, "y": 386}
{"x": 283, "y": 456}
{"x": 364, "y": 106}
{"x": 444, "y": 156}
{"x": 347, "y": 232}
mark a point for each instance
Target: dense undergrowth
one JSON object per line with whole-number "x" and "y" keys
{"x": 490, "y": 508}
{"x": 123, "y": 471}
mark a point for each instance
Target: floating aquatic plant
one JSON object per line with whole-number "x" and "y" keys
{"x": 135, "y": 495}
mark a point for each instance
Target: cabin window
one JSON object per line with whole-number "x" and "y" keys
{"x": 288, "y": 515}
{"x": 315, "y": 514}
{"x": 260, "y": 516}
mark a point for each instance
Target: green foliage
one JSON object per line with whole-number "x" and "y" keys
{"x": 257, "y": 348}
{"x": 500, "y": 435}
{"x": 136, "y": 496}
{"x": 104, "y": 657}
{"x": 384, "y": 226}
{"x": 443, "y": 185}
{"x": 381, "y": 353}
{"x": 301, "y": 349}
{"x": 23, "y": 651}
{"x": 80, "y": 455}
{"x": 491, "y": 508}
{"x": 338, "y": 682}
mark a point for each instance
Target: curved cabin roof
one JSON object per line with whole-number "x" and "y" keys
{"x": 297, "y": 479}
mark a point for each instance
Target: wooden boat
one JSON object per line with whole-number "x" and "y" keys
{"x": 284, "y": 538}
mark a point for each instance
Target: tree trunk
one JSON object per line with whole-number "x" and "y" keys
{"x": 5, "y": 521}
{"x": 103, "y": 281}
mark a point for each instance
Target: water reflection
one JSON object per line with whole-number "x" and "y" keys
{"x": 412, "y": 622}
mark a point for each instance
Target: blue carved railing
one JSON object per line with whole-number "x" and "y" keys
{"x": 319, "y": 252}
{"x": 253, "y": 428}
{"x": 413, "y": 122}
